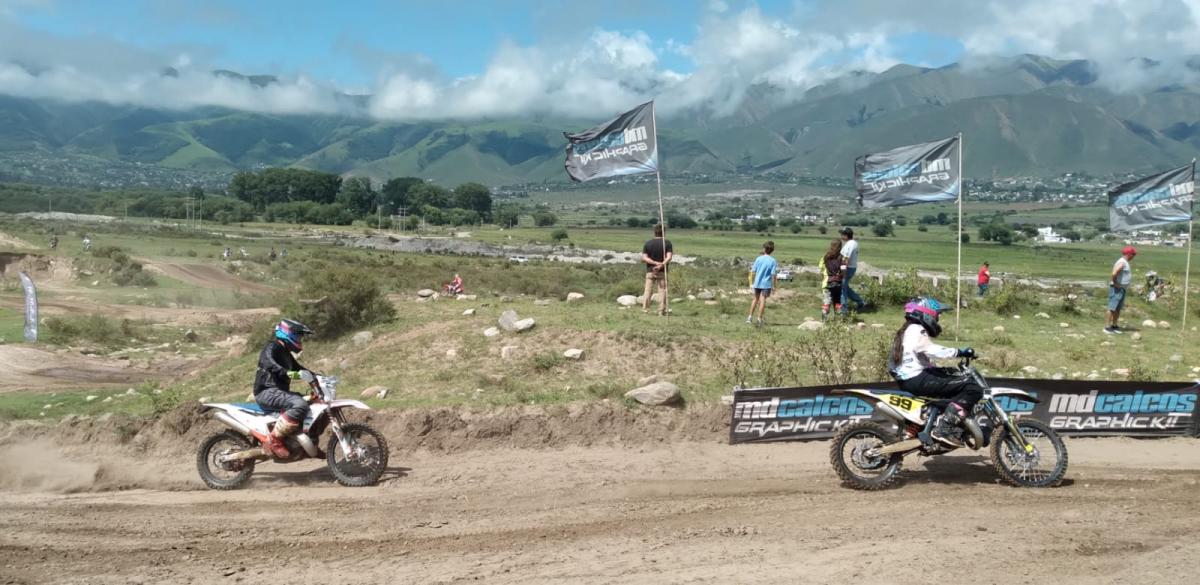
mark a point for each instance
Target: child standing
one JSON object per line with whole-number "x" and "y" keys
{"x": 765, "y": 273}
{"x": 833, "y": 267}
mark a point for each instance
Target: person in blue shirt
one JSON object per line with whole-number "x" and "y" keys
{"x": 765, "y": 271}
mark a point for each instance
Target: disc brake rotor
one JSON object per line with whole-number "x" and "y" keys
{"x": 863, "y": 460}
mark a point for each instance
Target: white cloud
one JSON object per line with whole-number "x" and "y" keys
{"x": 605, "y": 71}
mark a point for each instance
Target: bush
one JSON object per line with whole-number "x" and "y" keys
{"x": 339, "y": 300}
{"x": 884, "y": 229}
{"x": 89, "y": 328}
{"x": 922, "y": 228}
{"x": 559, "y": 235}
{"x": 1012, "y": 298}
{"x": 900, "y": 287}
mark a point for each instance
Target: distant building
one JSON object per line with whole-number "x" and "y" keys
{"x": 1048, "y": 236}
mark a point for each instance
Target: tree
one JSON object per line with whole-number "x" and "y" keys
{"x": 680, "y": 220}
{"x": 942, "y": 218}
{"x": 428, "y": 195}
{"x": 475, "y": 197}
{"x": 884, "y": 229}
{"x": 507, "y": 215}
{"x": 356, "y": 195}
{"x": 929, "y": 219}
{"x": 395, "y": 191}
{"x": 543, "y": 218}
{"x": 901, "y": 220}
{"x": 559, "y": 235}
{"x": 965, "y": 238}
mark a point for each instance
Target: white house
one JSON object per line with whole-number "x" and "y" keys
{"x": 1048, "y": 236}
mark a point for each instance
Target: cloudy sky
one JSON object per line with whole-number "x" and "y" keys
{"x": 472, "y": 58}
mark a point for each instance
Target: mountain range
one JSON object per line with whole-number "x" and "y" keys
{"x": 1022, "y": 116}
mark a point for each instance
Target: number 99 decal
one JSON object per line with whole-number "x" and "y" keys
{"x": 900, "y": 401}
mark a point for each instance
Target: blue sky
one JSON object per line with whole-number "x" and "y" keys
{"x": 475, "y": 58}
{"x": 349, "y": 43}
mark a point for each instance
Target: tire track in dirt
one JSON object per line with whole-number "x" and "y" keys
{"x": 205, "y": 276}
{"x": 679, "y": 513}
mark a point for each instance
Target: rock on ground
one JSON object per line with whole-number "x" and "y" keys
{"x": 374, "y": 392}
{"x": 998, "y": 329}
{"x": 573, "y": 354}
{"x": 811, "y": 325}
{"x": 362, "y": 338}
{"x": 508, "y": 320}
{"x": 1150, "y": 324}
{"x": 468, "y": 312}
{"x": 1030, "y": 369}
{"x": 491, "y": 332}
{"x": 706, "y": 295}
{"x": 1042, "y": 316}
{"x": 425, "y": 293}
{"x": 465, "y": 297}
{"x": 648, "y": 380}
{"x": 1120, "y": 372}
{"x": 656, "y": 394}
{"x": 1136, "y": 336}
{"x": 574, "y": 296}
{"x": 627, "y": 300}
{"x": 524, "y": 324}
{"x": 1164, "y": 325}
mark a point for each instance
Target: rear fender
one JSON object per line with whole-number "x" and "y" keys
{"x": 340, "y": 404}
{"x": 256, "y": 423}
{"x": 875, "y": 398}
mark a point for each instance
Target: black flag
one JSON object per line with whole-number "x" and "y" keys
{"x": 625, "y": 145}
{"x": 919, "y": 173}
{"x": 1155, "y": 200}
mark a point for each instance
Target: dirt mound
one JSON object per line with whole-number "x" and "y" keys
{"x": 205, "y": 276}
{"x": 31, "y": 368}
{"x": 10, "y": 241}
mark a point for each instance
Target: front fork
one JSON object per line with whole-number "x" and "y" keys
{"x": 1008, "y": 423}
{"x": 335, "y": 423}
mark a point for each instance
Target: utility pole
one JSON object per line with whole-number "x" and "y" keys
{"x": 50, "y": 199}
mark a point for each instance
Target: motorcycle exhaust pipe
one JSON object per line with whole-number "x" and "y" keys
{"x": 901, "y": 446}
{"x": 232, "y": 423}
{"x": 307, "y": 444}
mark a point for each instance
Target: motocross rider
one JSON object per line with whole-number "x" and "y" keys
{"x": 277, "y": 367}
{"x": 909, "y": 363}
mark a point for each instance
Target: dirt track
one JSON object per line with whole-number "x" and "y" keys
{"x": 681, "y": 513}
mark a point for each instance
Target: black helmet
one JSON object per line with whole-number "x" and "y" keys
{"x": 292, "y": 333}
{"x": 924, "y": 311}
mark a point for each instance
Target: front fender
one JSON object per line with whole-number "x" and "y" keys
{"x": 336, "y": 404}
{"x": 1020, "y": 394}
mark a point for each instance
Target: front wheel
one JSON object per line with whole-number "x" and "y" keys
{"x": 1044, "y": 464}
{"x": 851, "y": 456}
{"x": 366, "y": 461}
{"x": 224, "y": 475}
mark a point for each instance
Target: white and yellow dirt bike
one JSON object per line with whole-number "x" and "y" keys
{"x": 1025, "y": 451}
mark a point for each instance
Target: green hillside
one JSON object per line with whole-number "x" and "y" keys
{"x": 1027, "y": 115}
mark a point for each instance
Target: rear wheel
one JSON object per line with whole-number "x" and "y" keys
{"x": 366, "y": 461}
{"x": 1044, "y": 465}
{"x": 851, "y": 458}
{"x": 224, "y": 475}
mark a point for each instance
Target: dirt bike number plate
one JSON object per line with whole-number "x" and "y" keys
{"x": 905, "y": 403}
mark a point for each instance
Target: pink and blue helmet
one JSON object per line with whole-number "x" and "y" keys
{"x": 924, "y": 311}
{"x": 291, "y": 333}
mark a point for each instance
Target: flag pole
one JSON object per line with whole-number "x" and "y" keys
{"x": 662, "y": 220}
{"x": 958, "y": 270}
{"x": 1187, "y": 270}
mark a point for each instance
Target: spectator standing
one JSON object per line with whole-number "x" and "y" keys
{"x": 1119, "y": 281}
{"x": 656, "y": 255}
{"x": 850, "y": 255}
{"x": 985, "y": 277}
{"x": 766, "y": 274}
{"x": 832, "y": 270}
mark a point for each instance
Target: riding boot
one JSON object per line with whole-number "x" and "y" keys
{"x": 947, "y": 430}
{"x": 275, "y": 441}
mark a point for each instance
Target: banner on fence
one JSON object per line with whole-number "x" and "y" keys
{"x": 1072, "y": 407}
{"x": 31, "y": 308}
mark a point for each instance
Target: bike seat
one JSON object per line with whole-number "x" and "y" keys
{"x": 254, "y": 408}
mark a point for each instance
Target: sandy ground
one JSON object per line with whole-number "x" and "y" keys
{"x": 689, "y": 512}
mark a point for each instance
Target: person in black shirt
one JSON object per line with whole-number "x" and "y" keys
{"x": 657, "y": 255}
{"x": 277, "y": 367}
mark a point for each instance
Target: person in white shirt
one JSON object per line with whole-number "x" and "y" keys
{"x": 911, "y": 365}
{"x": 850, "y": 254}
{"x": 1118, "y": 283}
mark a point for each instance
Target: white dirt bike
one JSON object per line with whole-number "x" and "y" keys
{"x": 1025, "y": 451}
{"x": 357, "y": 454}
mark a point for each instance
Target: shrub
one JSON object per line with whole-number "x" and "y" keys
{"x": 1012, "y": 298}
{"x": 545, "y": 362}
{"x": 89, "y": 328}
{"x": 559, "y": 235}
{"x": 884, "y": 229}
{"x": 900, "y": 287}
{"x": 339, "y": 300}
